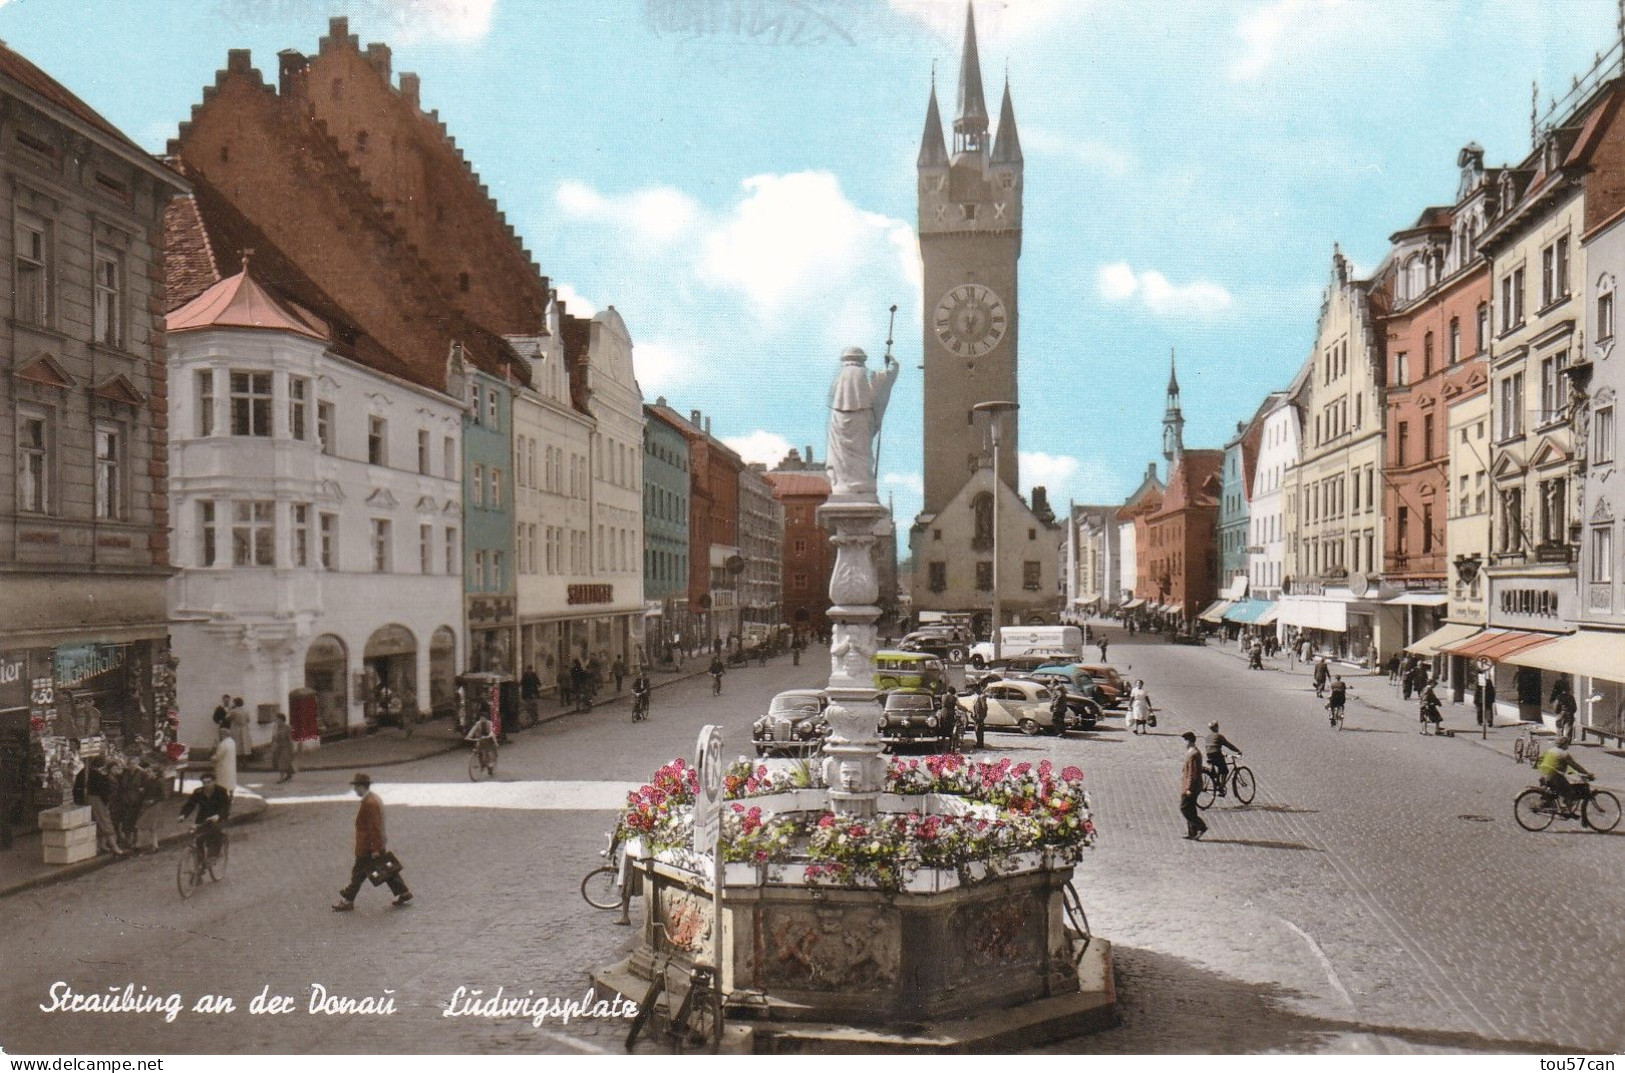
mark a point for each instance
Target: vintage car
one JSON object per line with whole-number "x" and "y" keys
{"x": 1012, "y": 665}
{"x": 1114, "y": 688}
{"x": 910, "y": 670}
{"x": 946, "y": 644}
{"x": 794, "y": 724}
{"x": 1023, "y": 704}
{"x": 914, "y": 717}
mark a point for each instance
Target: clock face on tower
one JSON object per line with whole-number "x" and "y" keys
{"x": 970, "y": 320}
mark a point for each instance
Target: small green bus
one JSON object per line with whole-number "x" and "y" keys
{"x": 910, "y": 670}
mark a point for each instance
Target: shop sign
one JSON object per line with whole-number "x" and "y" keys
{"x": 77, "y": 664}
{"x": 1538, "y": 602}
{"x": 590, "y": 594}
{"x": 13, "y": 680}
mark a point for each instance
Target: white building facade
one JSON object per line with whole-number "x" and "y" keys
{"x": 317, "y": 509}
{"x": 1267, "y": 524}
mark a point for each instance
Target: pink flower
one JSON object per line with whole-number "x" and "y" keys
{"x": 827, "y": 820}
{"x": 1072, "y": 774}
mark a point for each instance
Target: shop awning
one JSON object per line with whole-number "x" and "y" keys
{"x": 1498, "y": 646}
{"x": 1214, "y": 612}
{"x": 1314, "y": 613}
{"x": 1174, "y": 609}
{"x": 1419, "y": 599}
{"x": 1133, "y": 605}
{"x": 1272, "y": 611}
{"x": 1247, "y": 612}
{"x": 1237, "y": 589}
{"x": 1593, "y": 653}
{"x": 1434, "y": 643}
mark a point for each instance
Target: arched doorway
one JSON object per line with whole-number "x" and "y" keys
{"x": 391, "y": 659}
{"x": 443, "y": 671}
{"x": 326, "y": 674}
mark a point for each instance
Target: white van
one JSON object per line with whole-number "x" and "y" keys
{"x": 1022, "y": 640}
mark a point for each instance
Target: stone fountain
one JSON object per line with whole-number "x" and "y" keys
{"x": 987, "y": 957}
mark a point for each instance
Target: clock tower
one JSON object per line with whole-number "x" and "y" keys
{"x": 970, "y": 240}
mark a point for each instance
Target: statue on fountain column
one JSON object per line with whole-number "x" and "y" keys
{"x": 857, "y": 406}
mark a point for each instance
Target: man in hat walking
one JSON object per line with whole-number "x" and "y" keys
{"x": 369, "y": 846}
{"x": 1190, "y": 784}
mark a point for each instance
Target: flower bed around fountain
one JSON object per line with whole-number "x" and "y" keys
{"x": 947, "y": 902}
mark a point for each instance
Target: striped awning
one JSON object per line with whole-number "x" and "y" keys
{"x": 1214, "y": 612}
{"x": 1247, "y": 612}
{"x": 1498, "y": 646}
{"x": 1434, "y": 643}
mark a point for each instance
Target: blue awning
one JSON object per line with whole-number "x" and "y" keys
{"x": 1248, "y": 612}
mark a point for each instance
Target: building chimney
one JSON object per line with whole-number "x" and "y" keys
{"x": 378, "y": 59}
{"x": 708, "y": 426}
{"x": 1151, "y": 471}
{"x": 660, "y": 401}
{"x": 290, "y": 65}
{"x": 694, "y": 419}
{"x": 1040, "y": 499}
{"x": 409, "y": 89}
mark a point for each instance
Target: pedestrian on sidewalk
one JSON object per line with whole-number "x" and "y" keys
{"x": 1393, "y": 669}
{"x": 1139, "y": 708}
{"x": 225, "y": 762}
{"x": 530, "y": 693}
{"x": 282, "y": 747}
{"x": 370, "y": 846}
{"x": 1102, "y": 644}
{"x": 1322, "y": 673}
{"x": 222, "y": 712}
{"x": 239, "y": 729}
{"x": 979, "y": 714}
{"x": 128, "y": 790}
{"x": 617, "y": 671}
{"x": 152, "y": 798}
{"x": 99, "y": 788}
{"x": 1190, "y": 784}
{"x": 578, "y": 683}
{"x": 1430, "y": 714}
{"x": 1563, "y": 704}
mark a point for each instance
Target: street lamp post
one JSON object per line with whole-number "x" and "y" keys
{"x": 995, "y": 410}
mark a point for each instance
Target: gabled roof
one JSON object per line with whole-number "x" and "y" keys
{"x": 1193, "y": 482}
{"x": 20, "y": 70}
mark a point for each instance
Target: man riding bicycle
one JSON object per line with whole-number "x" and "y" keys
{"x": 1340, "y": 696}
{"x": 716, "y": 671}
{"x": 212, "y": 804}
{"x": 484, "y": 737}
{"x": 1214, "y": 746}
{"x": 1554, "y": 767}
{"x": 640, "y": 694}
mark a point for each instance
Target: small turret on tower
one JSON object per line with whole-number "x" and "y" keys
{"x": 1007, "y": 144}
{"x": 933, "y": 150}
{"x": 1173, "y": 419}
{"x": 970, "y": 125}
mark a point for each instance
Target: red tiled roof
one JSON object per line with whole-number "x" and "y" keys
{"x": 1190, "y": 485}
{"x": 793, "y": 483}
{"x": 20, "y": 70}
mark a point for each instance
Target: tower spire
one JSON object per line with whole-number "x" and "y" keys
{"x": 933, "y": 150}
{"x": 970, "y": 125}
{"x": 1006, "y": 143}
{"x": 1173, "y": 419}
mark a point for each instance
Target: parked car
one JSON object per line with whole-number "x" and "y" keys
{"x": 1025, "y": 640}
{"x": 1114, "y": 688}
{"x": 913, "y": 716}
{"x": 910, "y": 670}
{"x": 1012, "y": 665}
{"x": 946, "y": 644}
{"x": 1023, "y": 704}
{"x": 794, "y": 725}
{"x": 1082, "y": 693}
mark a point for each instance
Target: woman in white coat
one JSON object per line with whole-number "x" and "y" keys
{"x": 1139, "y": 708}
{"x": 225, "y": 762}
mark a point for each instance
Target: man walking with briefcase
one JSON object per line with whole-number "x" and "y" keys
{"x": 372, "y": 857}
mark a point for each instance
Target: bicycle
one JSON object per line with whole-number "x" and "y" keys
{"x": 640, "y": 707}
{"x": 482, "y": 760}
{"x": 716, "y": 685}
{"x": 1240, "y": 783}
{"x": 1536, "y": 808}
{"x": 195, "y": 861}
{"x": 1526, "y": 748}
{"x": 609, "y": 886}
{"x": 1335, "y": 715}
{"x": 697, "y": 1022}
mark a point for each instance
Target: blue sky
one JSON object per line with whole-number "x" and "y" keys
{"x": 737, "y": 176}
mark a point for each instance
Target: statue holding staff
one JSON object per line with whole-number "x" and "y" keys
{"x": 857, "y": 406}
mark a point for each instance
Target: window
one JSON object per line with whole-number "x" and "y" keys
{"x": 1402, "y": 443}
{"x": 1401, "y": 369}
{"x": 1602, "y": 554}
{"x": 206, "y": 547}
{"x": 1032, "y": 577}
{"x": 1605, "y": 316}
{"x": 426, "y": 549}
{"x": 496, "y": 570}
{"x": 495, "y": 500}
{"x": 984, "y": 576}
{"x": 109, "y": 472}
{"x": 298, "y": 407}
{"x": 476, "y": 397}
{"x": 377, "y": 441}
{"x": 299, "y": 545}
{"x": 936, "y": 576}
{"x": 477, "y": 485}
{"x": 451, "y": 549}
{"x": 108, "y": 300}
{"x": 1427, "y": 528}
{"x": 477, "y": 582}
{"x": 330, "y": 541}
{"x": 448, "y": 460}
{"x": 324, "y": 427}
{"x": 34, "y": 464}
{"x": 380, "y": 545}
{"x": 1427, "y": 355}
{"x": 253, "y": 532}
{"x": 250, "y": 404}
{"x": 1427, "y": 436}
{"x": 423, "y": 451}
{"x": 205, "y": 402}
{"x": 491, "y": 412}
{"x": 1455, "y": 340}
{"x": 1510, "y": 413}
{"x": 800, "y": 547}
{"x": 1552, "y": 401}
{"x": 32, "y": 282}
{"x": 1554, "y": 272}
{"x": 1603, "y": 425}
{"x": 1511, "y": 520}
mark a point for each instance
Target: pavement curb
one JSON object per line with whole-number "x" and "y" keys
{"x": 254, "y": 809}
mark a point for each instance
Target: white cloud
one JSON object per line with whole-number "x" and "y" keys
{"x": 660, "y": 367}
{"x": 768, "y": 448}
{"x": 1051, "y": 471}
{"x": 574, "y": 302}
{"x": 1065, "y": 477}
{"x": 792, "y": 236}
{"x": 1096, "y": 156}
{"x": 1118, "y": 283}
{"x": 908, "y": 482}
{"x": 1286, "y": 32}
{"x": 659, "y": 214}
{"x": 463, "y": 21}
{"x": 993, "y": 17}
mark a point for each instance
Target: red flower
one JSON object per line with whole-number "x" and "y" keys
{"x": 1072, "y": 774}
